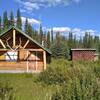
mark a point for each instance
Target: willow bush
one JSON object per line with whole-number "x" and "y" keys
{"x": 79, "y": 80}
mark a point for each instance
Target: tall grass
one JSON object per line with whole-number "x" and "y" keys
{"x": 63, "y": 80}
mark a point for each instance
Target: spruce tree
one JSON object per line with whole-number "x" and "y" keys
{"x": 70, "y": 40}
{"x": 5, "y": 20}
{"x": 36, "y": 35}
{"x": 26, "y": 26}
{"x": 29, "y": 30}
{"x": 11, "y": 19}
{"x": 58, "y": 38}
{"x": 52, "y": 35}
{"x": 48, "y": 39}
{"x": 19, "y": 21}
{"x": 41, "y": 34}
{"x": 80, "y": 43}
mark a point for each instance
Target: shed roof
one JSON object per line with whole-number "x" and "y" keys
{"x": 83, "y": 49}
{"x": 34, "y": 41}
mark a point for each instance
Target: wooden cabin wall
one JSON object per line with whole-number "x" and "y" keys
{"x": 21, "y": 63}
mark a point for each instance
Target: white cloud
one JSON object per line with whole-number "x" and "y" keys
{"x": 30, "y": 5}
{"x": 32, "y": 21}
{"x": 61, "y": 29}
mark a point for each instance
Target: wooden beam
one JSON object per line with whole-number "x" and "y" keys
{"x": 14, "y": 38}
{"x": 27, "y": 63}
{"x": 35, "y": 49}
{"x": 44, "y": 59}
{"x": 2, "y": 44}
{"x": 36, "y": 60}
{"x": 26, "y": 44}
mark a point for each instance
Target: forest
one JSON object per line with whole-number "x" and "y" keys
{"x": 59, "y": 44}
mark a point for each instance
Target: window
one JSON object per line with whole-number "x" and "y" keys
{"x": 11, "y": 56}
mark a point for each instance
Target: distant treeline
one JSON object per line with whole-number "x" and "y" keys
{"x": 59, "y": 44}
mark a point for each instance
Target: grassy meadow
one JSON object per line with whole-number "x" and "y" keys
{"x": 63, "y": 80}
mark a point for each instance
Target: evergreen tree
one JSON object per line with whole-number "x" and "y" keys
{"x": 26, "y": 26}
{"x": 33, "y": 34}
{"x": 96, "y": 40}
{"x": 80, "y": 43}
{"x": 70, "y": 40}
{"x": 74, "y": 42}
{"x": 85, "y": 40}
{"x": 5, "y": 20}
{"x": 48, "y": 39}
{"x": 52, "y": 35}
{"x": 41, "y": 34}
{"x": 11, "y": 19}
{"x": 29, "y": 30}
{"x": 19, "y": 21}
{"x": 36, "y": 35}
{"x": 90, "y": 41}
{"x": 58, "y": 48}
{"x": 58, "y": 38}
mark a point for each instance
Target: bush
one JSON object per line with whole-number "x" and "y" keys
{"x": 56, "y": 96}
{"x": 52, "y": 76}
{"x": 82, "y": 85}
{"x": 6, "y": 92}
{"x": 78, "y": 80}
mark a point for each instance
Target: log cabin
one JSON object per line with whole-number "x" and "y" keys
{"x": 18, "y": 51}
{"x": 84, "y": 54}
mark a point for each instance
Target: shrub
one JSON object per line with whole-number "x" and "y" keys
{"x": 52, "y": 76}
{"x": 6, "y": 92}
{"x": 82, "y": 85}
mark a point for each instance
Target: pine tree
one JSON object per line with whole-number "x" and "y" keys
{"x": 26, "y": 26}
{"x": 5, "y": 20}
{"x": 36, "y": 35}
{"x": 29, "y": 30}
{"x": 74, "y": 42}
{"x": 85, "y": 40}
{"x": 11, "y": 19}
{"x": 70, "y": 40}
{"x": 80, "y": 43}
{"x": 48, "y": 39}
{"x": 90, "y": 41}
{"x": 58, "y": 38}
{"x": 52, "y": 35}
{"x": 41, "y": 34}
{"x": 19, "y": 21}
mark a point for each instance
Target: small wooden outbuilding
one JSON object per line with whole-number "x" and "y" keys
{"x": 84, "y": 54}
{"x": 18, "y": 51}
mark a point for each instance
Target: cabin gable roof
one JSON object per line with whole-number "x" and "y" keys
{"x": 20, "y": 31}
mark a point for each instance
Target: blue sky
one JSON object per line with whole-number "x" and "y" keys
{"x": 63, "y": 15}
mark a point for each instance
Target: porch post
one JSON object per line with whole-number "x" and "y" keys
{"x": 14, "y": 38}
{"x": 27, "y": 62}
{"x": 44, "y": 59}
{"x": 36, "y": 60}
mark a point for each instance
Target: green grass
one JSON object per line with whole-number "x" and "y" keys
{"x": 25, "y": 88}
